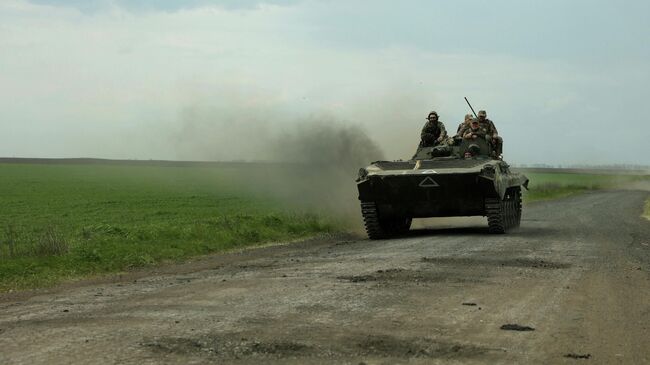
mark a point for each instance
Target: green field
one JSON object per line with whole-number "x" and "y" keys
{"x": 555, "y": 185}
{"x": 61, "y": 222}
{"x": 68, "y": 221}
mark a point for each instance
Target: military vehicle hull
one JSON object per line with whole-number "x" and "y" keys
{"x": 393, "y": 193}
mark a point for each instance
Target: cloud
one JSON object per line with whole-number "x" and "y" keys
{"x": 140, "y": 6}
{"x": 118, "y": 82}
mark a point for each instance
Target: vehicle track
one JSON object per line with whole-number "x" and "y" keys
{"x": 577, "y": 272}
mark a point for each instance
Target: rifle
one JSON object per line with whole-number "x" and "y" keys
{"x": 470, "y": 106}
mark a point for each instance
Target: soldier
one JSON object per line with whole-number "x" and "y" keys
{"x": 433, "y": 132}
{"x": 497, "y": 141}
{"x": 475, "y": 130}
{"x": 472, "y": 150}
{"x": 463, "y": 125}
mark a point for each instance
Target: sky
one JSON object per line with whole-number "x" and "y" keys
{"x": 565, "y": 81}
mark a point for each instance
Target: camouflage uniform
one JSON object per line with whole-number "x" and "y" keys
{"x": 467, "y": 127}
{"x": 431, "y": 131}
{"x": 489, "y": 126}
{"x": 497, "y": 142}
{"x": 464, "y": 124}
{"x": 479, "y": 132}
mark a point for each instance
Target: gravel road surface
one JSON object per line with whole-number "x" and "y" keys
{"x": 572, "y": 285}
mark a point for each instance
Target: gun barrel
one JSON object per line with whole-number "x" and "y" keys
{"x": 470, "y": 106}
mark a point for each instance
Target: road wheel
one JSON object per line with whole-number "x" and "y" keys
{"x": 372, "y": 222}
{"x": 504, "y": 215}
{"x": 495, "y": 211}
{"x": 517, "y": 203}
{"x": 510, "y": 211}
{"x": 378, "y": 227}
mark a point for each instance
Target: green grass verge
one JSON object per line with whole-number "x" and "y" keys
{"x": 545, "y": 186}
{"x": 61, "y": 222}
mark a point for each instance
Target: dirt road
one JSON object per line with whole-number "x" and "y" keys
{"x": 576, "y": 274}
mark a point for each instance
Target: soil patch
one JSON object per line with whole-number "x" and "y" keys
{"x": 384, "y": 346}
{"x": 577, "y": 356}
{"x": 516, "y": 327}
{"x": 390, "y": 346}
{"x": 515, "y": 262}
{"x": 229, "y": 347}
{"x": 407, "y": 276}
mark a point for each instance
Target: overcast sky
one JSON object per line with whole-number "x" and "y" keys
{"x": 565, "y": 81}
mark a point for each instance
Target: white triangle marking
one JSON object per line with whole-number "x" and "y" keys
{"x": 428, "y": 182}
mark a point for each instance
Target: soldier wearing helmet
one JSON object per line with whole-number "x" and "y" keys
{"x": 433, "y": 132}
{"x": 488, "y": 125}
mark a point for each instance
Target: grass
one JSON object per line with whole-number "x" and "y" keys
{"x": 545, "y": 186}
{"x": 62, "y": 222}
{"x": 646, "y": 211}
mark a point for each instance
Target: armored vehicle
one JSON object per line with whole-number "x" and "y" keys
{"x": 459, "y": 179}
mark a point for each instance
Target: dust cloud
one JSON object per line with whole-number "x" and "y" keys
{"x": 327, "y": 142}
{"x": 324, "y": 156}
{"x": 308, "y": 163}
{"x": 224, "y": 134}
